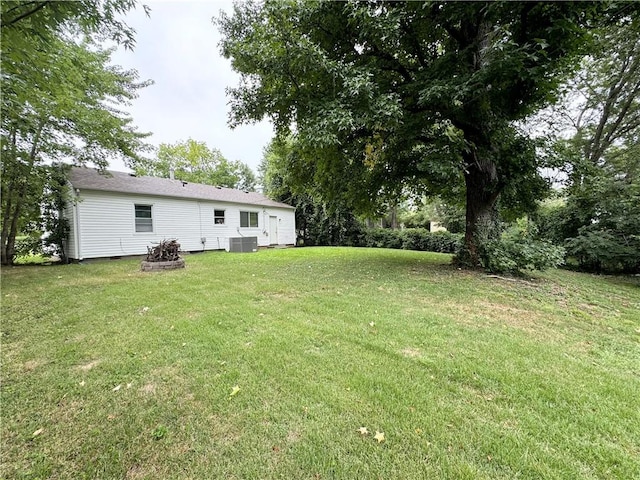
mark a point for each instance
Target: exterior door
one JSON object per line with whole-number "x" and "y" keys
{"x": 273, "y": 230}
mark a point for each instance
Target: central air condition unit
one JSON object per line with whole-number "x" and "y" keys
{"x": 243, "y": 244}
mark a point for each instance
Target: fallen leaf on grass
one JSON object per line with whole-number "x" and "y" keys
{"x": 372, "y": 324}
{"x": 234, "y": 390}
{"x": 363, "y": 431}
{"x": 116, "y": 388}
{"x": 37, "y": 432}
{"x": 379, "y": 436}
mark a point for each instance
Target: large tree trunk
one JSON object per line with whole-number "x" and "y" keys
{"x": 481, "y": 180}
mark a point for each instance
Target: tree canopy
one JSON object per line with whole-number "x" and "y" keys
{"x": 194, "y": 161}
{"x": 385, "y": 97}
{"x": 597, "y": 147}
{"x": 61, "y": 100}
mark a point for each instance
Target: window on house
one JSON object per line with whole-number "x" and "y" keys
{"x": 218, "y": 217}
{"x": 144, "y": 220}
{"x": 249, "y": 219}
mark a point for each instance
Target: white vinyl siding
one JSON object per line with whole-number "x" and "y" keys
{"x": 144, "y": 218}
{"x": 248, "y": 219}
{"x": 106, "y": 224}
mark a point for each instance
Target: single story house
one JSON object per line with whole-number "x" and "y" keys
{"x": 116, "y": 214}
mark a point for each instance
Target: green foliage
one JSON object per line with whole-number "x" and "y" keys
{"x": 159, "y": 432}
{"x": 382, "y": 238}
{"x": 86, "y": 17}
{"x": 391, "y": 97}
{"x": 318, "y": 222}
{"x": 55, "y": 199}
{"x": 47, "y": 230}
{"x": 30, "y": 244}
{"x": 599, "y": 250}
{"x": 425, "y": 241}
{"x": 451, "y": 217}
{"x": 598, "y": 221}
{"x": 598, "y": 218}
{"x": 519, "y": 249}
{"x": 420, "y": 218}
{"x": 194, "y": 161}
{"x": 419, "y": 239}
{"x": 323, "y": 226}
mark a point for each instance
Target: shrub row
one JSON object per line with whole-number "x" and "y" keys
{"x": 411, "y": 239}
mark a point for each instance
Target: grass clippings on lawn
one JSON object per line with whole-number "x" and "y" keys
{"x": 288, "y": 363}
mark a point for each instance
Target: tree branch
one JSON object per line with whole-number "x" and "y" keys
{"x": 23, "y": 15}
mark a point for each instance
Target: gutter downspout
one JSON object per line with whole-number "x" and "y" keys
{"x": 76, "y": 220}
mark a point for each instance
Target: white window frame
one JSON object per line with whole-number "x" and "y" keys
{"x": 249, "y": 215}
{"x": 136, "y": 218}
{"x": 218, "y": 217}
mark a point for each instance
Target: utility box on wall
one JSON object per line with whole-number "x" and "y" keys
{"x": 243, "y": 244}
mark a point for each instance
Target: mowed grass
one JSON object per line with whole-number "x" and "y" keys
{"x": 110, "y": 373}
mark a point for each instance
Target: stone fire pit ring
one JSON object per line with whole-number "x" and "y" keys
{"x": 158, "y": 266}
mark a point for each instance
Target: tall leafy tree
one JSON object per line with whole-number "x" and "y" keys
{"x": 61, "y": 101}
{"x": 385, "y": 97}
{"x": 318, "y": 222}
{"x": 194, "y": 161}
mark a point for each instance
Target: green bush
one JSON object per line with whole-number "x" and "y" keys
{"x": 518, "y": 249}
{"x": 412, "y": 239}
{"x": 29, "y": 245}
{"x": 382, "y": 238}
{"x": 600, "y": 250}
{"x": 415, "y": 239}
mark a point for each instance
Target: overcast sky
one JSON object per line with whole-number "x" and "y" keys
{"x": 177, "y": 47}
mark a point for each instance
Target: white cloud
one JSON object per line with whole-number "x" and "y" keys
{"x": 177, "y": 47}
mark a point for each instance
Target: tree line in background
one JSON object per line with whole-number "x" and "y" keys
{"x": 194, "y": 161}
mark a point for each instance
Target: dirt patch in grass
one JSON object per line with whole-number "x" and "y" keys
{"x": 88, "y": 366}
{"x": 485, "y": 313}
{"x": 135, "y": 472}
{"x": 293, "y": 436}
{"x": 411, "y": 352}
{"x": 223, "y": 429}
{"x": 31, "y": 365}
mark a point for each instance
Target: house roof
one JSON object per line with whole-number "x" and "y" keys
{"x": 84, "y": 178}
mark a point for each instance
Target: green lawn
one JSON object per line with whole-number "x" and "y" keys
{"x": 109, "y": 373}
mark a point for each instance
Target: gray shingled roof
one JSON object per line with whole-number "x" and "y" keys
{"x": 84, "y": 178}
